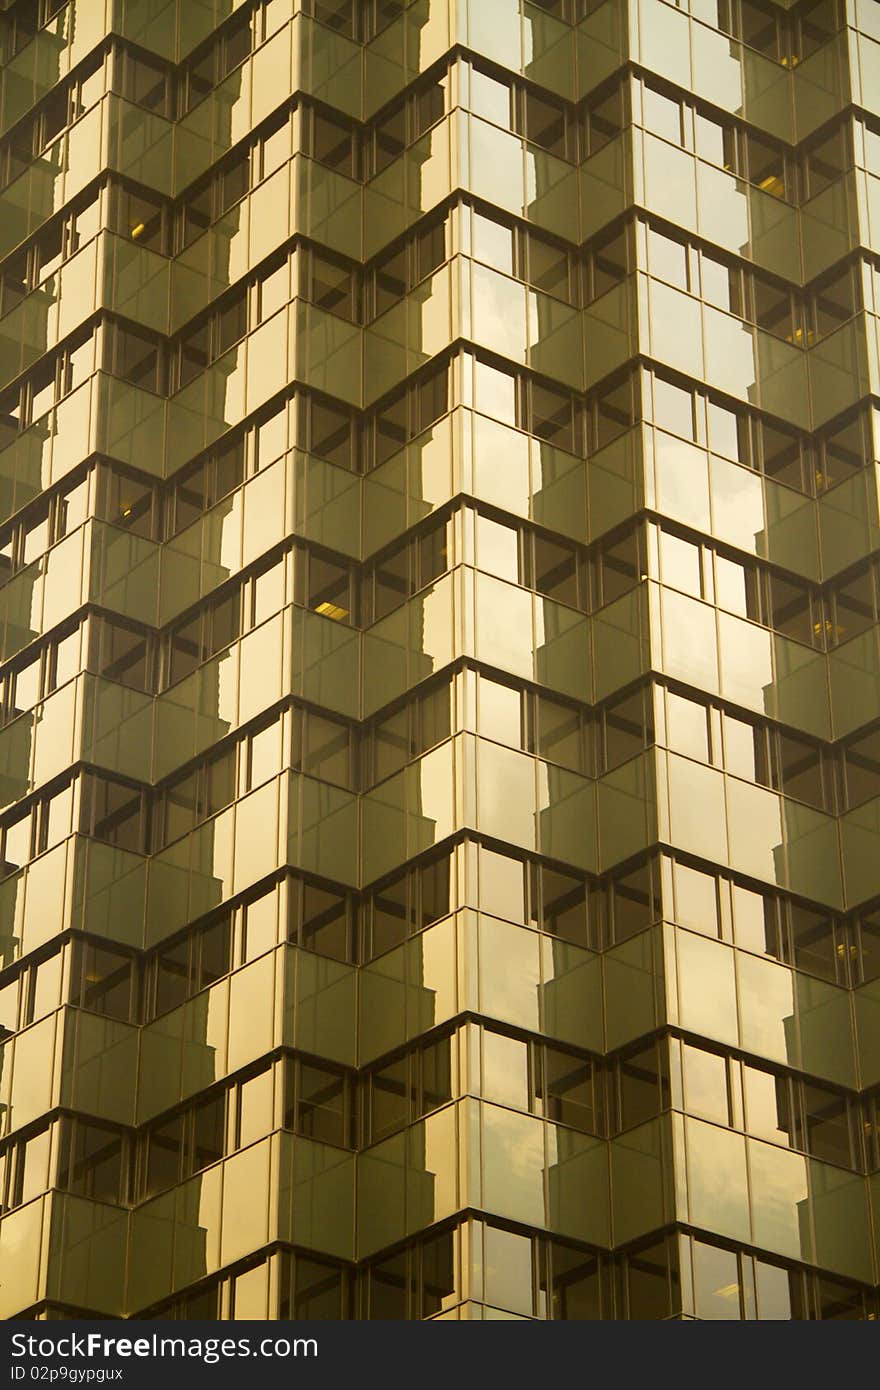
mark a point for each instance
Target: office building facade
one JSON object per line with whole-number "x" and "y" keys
{"x": 439, "y": 512}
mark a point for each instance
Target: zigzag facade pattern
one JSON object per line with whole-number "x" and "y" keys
{"x": 439, "y": 730}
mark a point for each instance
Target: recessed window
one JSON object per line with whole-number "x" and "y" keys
{"x": 144, "y": 82}
{"x": 673, "y": 408}
{"x": 835, "y": 301}
{"x": 495, "y": 392}
{"x": 619, "y": 568}
{"x": 336, "y": 14}
{"x": 853, "y": 607}
{"x": 233, "y": 182}
{"x": 546, "y": 124}
{"x": 333, "y": 286}
{"x": 662, "y": 115}
{"x": 103, "y": 981}
{"x": 791, "y": 610}
{"x": 862, "y": 768}
{"x": 318, "y": 1103}
{"x": 801, "y": 770}
{"x": 235, "y": 44}
{"x": 681, "y": 564}
{"x": 608, "y": 264}
{"x": 333, "y": 144}
{"x": 552, "y": 416}
{"x": 765, "y": 163}
{"x": 389, "y": 138}
{"x": 668, "y": 259}
{"x": 428, "y": 106}
{"x": 603, "y": 120}
{"x": 490, "y": 98}
{"x": 556, "y": 570}
{"x": 90, "y": 1161}
{"x": 773, "y": 308}
{"x": 274, "y": 147}
{"x": 826, "y": 161}
{"x": 625, "y": 728}
{"x": 635, "y": 901}
{"x": 781, "y": 454}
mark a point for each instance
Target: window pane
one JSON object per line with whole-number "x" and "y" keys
{"x": 662, "y": 115}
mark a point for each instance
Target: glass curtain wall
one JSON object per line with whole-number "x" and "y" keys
{"x": 439, "y": 706}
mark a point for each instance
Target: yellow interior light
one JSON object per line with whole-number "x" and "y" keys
{"x": 728, "y": 1291}
{"x": 772, "y": 184}
{"x": 332, "y": 610}
{"x": 800, "y": 336}
{"x": 126, "y": 511}
{"x": 138, "y": 231}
